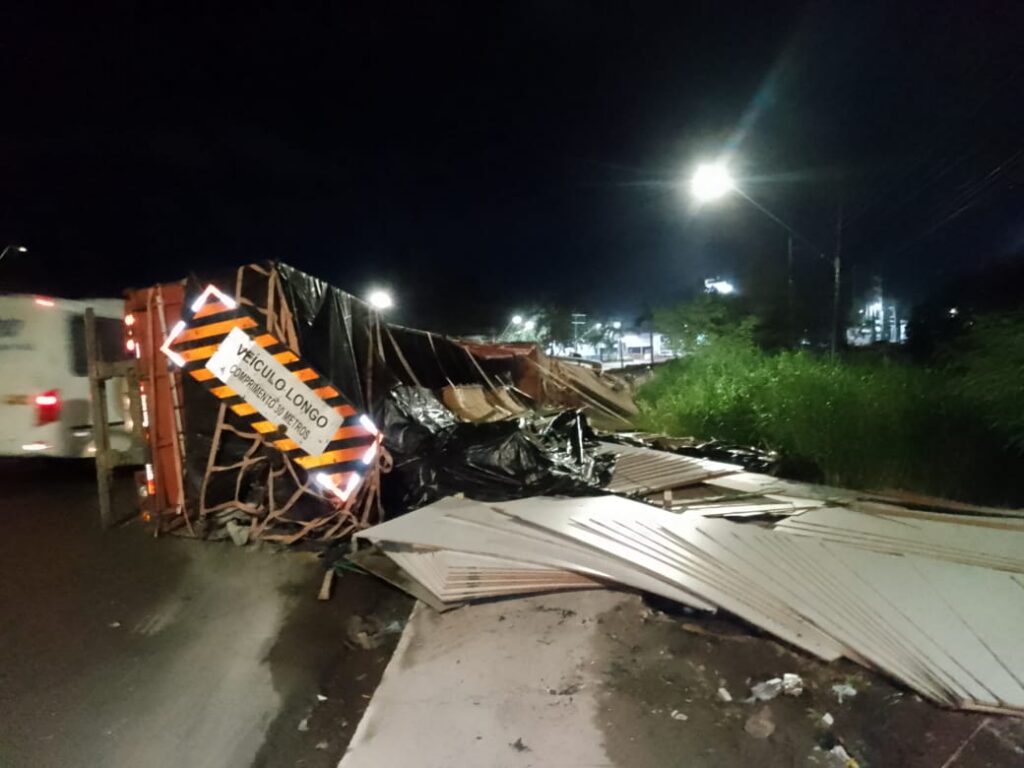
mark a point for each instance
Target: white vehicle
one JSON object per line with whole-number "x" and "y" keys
{"x": 44, "y": 378}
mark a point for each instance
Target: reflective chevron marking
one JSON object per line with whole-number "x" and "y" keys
{"x": 273, "y": 392}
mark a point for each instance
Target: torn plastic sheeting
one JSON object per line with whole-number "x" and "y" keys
{"x": 435, "y": 456}
{"x": 336, "y": 331}
{"x": 750, "y": 458}
{"x": 504, "y": 460}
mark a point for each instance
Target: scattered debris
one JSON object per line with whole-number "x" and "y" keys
{"x": 842, "y": 551}
{"x": 565, "y": 613}
{"x": 844, "y": 691}
{"x": 114, "y": 624}
{"x": 840, "y": 758}
{"x": 304, "y": 724}
{"x": 766, "y": 691}
{"x": 239, "y": 533}
{"x": 827, "y": 720}
{"x": 841, "y": 565}
{"x": 675, "y": 714}
{"x": 367, "y": 632}
{"x": 569, "y": 690}
{"x": 321, "y": 697}
{"x": 326, "y": 585}
{"x": 724, "y": 695}
{"x": 792, "y": 685}
{"x": 518, "y": 745}
{"x": 322, "y": 745}
{"x": 760, "y": 725}
{"x": 789, "y": 684}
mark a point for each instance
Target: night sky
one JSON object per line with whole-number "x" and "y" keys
{"x": 478, "y": 158}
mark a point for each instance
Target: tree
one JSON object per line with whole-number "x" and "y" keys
{"x": 708, "y": 320}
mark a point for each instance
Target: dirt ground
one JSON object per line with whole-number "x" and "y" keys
{"x": 313, "y": 732}
{"x": 659, "y": 664}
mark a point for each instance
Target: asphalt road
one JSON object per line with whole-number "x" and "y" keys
{"x": 119, "y": 649}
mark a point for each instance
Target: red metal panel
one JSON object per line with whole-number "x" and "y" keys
{"x": 154, "y": 310}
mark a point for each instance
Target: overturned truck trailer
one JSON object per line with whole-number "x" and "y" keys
{"x": 225, "y": 456}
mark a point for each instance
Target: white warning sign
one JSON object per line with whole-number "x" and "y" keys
{"x": 274, "y": 391}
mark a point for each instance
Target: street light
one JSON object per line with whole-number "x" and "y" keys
{"x": 710, "y": 182}
{"x": 18, "y": 248}
{"x": 622, "y": 354}
{"x": 715, "y": 285}
{"x": 380, "y": 300}
{"x": 517, "y": 319}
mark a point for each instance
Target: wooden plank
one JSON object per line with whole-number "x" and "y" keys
{"x": 326, "y": 585}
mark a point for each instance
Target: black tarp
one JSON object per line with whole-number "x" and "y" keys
{"x": 436, "y": 456}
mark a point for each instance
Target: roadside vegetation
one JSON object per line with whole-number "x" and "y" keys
{"x": 952, "y": 427}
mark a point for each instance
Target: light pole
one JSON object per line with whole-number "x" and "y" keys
{"x": 622, "y": 356}
{"x": 529, "y": 326}
{"x": 712, "y": 181}
{"x": 18, "y": 248}
{"x": 516, "y": 321}
{"x": 578, "y": 319}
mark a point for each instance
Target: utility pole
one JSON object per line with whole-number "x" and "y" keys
{"x": 578, "y": 319}
{"x": 837, "y": 264}
{"x": 790, "y": 292}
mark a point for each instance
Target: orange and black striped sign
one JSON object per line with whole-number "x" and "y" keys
{"x": 348, "y": 452}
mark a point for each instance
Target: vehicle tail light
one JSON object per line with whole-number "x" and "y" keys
{"x": 47, "y": 407}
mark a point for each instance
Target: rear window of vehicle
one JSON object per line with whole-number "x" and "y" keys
{"x": 110, "y": 339}
{"x": 11, "y": 334}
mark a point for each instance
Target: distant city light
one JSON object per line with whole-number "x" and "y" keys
{"x": 598, "y": 326}
{"x": 529, "y": 325}
{"x": 616, "y": 325}
{"x": 710, "y": 182}
{"x": 723, "y": 287}
{"x": 380, "y": 300}
{"x": 953, "y": 311}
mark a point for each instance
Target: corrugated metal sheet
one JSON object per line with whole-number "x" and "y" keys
{"x": 645, "y": 470}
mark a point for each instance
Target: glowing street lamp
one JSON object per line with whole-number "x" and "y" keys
{"x": 722, "y": 287}
{"x": 710, "y": 182}
{"x": 380, "y": 300}
{"x": 18, "y": 248}
{"x": 517, "y": 319}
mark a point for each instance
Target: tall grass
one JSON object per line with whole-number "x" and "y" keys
{"x": 871, "y": 423}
